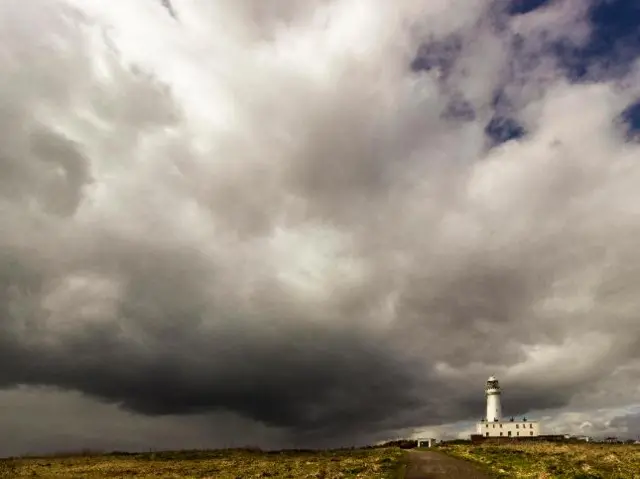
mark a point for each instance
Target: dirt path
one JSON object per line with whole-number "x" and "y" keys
{"x": 435, "y": 465}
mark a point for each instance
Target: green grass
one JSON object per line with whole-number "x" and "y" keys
{"x": 552, "y": 460}
{"x": 380, "y": 463}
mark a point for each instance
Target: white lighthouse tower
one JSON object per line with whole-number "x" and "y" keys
{"x": 494, "y": 407}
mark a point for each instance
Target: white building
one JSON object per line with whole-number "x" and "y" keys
{"x": 494, "y": 426}
{"x": 426, "y": 442}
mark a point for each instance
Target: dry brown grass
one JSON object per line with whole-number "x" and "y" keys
{"x": 553, "y": 460}
{"x": 228, "y": 464}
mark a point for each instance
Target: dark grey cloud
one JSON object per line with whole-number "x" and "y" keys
{"x": 169, "y": 6}
{"x": 259, "y": 223}
{"x": 627, "y": 426}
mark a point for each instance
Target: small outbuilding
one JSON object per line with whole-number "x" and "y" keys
{"x": 426, "y": 442}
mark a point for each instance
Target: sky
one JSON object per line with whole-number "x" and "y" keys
{"x": 315, "y": 224}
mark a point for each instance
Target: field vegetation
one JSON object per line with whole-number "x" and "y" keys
{"x": 552, "y": 460}
{"x": 222, "y": 464}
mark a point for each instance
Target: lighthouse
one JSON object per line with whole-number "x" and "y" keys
{"x": 494, "y": 426}
{"x": 493, "y": 392}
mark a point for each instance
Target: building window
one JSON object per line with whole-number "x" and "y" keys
{"x": 518, "y": 433}
{"x": 531, "y": 433}
{"x": 501, "y": 433}
{"x": 530, "y": 426}
{"x": 494, "y": 426}
{"x": 500, "y": 425}
{"x": 517, "y": 426}
{"x": 509, "y": 433}
{"x": 488, "y": 434}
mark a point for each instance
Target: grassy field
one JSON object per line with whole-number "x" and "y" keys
{"x": 553, "y": 460}
{"x": 227, "y": 464}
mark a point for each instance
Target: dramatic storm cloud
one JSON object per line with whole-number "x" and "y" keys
{"x": 310, "y": 223}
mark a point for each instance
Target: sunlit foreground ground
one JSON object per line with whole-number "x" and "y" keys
{"x": 358, "y": 463}
{"x": 549, "y": 460}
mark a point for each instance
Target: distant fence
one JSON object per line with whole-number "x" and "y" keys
{"x": 401, "y": 443}
{"x": 478, "y": 438}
